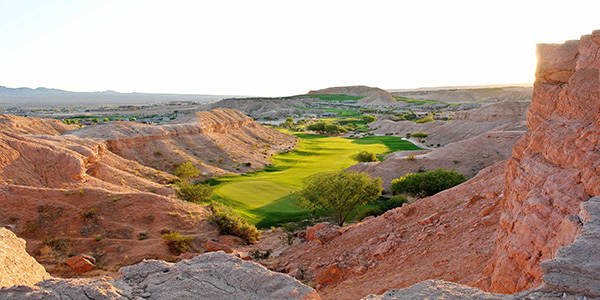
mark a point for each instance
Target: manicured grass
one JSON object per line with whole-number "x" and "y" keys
{"x": 420, "y": 102}
{"x": 266, "y": 197}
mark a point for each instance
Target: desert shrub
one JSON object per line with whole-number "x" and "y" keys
{"x": 177, "y": 243}
{"x": 424, "y": 120}
{"x": 194, "y": 193}
{"x": 420, "y": 134}
{"x": 229, "y": 222}
{"x": 428, "y": 183}
{"x": 187, "y": 170}
{"x": 259, "y": 254}
{"x": 369, "y": 118}
{"x": 57, "y": 244}
{"x": 365, "y": 156}
{"x": 411, "y": 157}
{"x": 89, "y": 214}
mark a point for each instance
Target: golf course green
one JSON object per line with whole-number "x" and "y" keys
{"x": 267, "y": 197}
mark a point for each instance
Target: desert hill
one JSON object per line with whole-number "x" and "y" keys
{"x": 503, "y": 116}
{"x": 261, "y": 107}
{"x": 45, "y": 97}
{"x": 372, "y": 96}
{"x": 219, "y": 142}
{"x": 89, "y": 190}
{"x": 34, "y": 126}
{"x": 462, "y": 95}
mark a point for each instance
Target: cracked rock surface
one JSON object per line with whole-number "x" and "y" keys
{"x": 213, "y": 275}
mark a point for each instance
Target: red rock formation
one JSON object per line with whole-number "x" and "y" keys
{"x": 554, "y": 168}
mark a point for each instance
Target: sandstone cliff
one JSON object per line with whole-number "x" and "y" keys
{"x": 554, "y": 169}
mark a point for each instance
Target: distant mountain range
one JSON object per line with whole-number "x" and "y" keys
{"x": 26, "y": 97}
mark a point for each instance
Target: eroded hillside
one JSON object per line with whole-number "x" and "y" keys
{"x": 89, "y": 190}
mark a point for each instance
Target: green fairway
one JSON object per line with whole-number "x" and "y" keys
{"x": 267, "y": 197}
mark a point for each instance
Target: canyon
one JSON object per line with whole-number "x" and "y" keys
{"x": 522, "y": 228}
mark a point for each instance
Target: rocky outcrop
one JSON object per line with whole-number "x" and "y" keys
{"x": 576, "y": 267}
{"x": 371, "y": 95}
{"x": 213, "y": 275}
{"x": 503, "y": 116}
{"x": 554, "y": 169}
{"x": 219, "y": 142}
{"x": 573, "y": 274}
{"x": 16, "y": 266}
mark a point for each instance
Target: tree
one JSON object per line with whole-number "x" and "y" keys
{"x": 369, "y": 118}
{"x": 187, "y": 170}
{"x": 341, "y": 192}
{"x": 365, "y": 156}
{"x": 428, "y": 183}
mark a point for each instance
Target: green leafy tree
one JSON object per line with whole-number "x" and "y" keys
{"x": 365, "y": 156}
{"x": 95, "y": 120}
{"x": 369, "y": 118}
{"x": 187, "y": 170}
{"x": 288, "y": 122}
{"x": 428, "y": 183}
{"x": 340, "y": 192}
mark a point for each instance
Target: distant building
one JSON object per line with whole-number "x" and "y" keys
{"x": 328, "y": 115}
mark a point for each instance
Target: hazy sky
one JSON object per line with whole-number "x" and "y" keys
{"x": 274, "y": 48}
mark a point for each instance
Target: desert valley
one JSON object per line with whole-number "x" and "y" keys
{"x": 226, "y": 197}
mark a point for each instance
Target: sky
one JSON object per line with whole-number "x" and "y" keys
{"x": 278, "y": 48}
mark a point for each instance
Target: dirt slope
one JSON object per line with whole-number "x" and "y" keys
{"x": 24, "y": 125}
{"x": 503, "y": 116}
{"x": 69, "y": 194}
{"x": 219, "y": 142}
{"x": 424, "y": 240}
{"x": 372, "y": 96}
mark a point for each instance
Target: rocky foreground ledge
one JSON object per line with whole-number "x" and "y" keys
{"x": 214, "y": 275}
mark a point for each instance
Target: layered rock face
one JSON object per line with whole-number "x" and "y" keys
{"x": 554, "y": 169}
{"x": 214, "y": 275}
{"x": 219, "y": 142}
{"x": 16, "y": 266}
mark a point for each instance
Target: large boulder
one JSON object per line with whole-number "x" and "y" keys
{"x": 16, "y": 266}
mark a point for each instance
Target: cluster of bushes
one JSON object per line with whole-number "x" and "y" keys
{"x": 427, "y": 183}
{"x": 229, "y": 222}
{"x": 424, "y": 120}
{"x": 420, "y": 134}
{"x": 369, "y": 118}
{"x": 382, "y": 206}
{"x": 324, "y": 127}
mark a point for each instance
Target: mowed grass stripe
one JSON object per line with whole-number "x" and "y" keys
{"x": 264, "y": 196}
